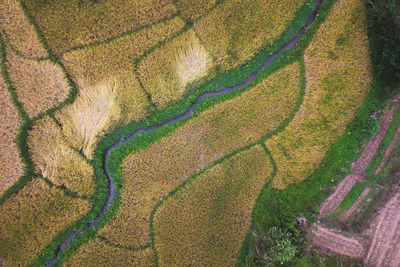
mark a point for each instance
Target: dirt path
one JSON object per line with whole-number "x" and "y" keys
{"x": 110, "y": 198}
{"x": 387, "y": 230}
{"x": 346, "y": 215}
{"x": 341, "y": 191}
{"x": 388, "y": 151}
{"x": 395, "y": 259}
{"x": 337, "y": 243}
{"x": 360, "y": 166}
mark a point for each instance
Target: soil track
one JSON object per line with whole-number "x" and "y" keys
{"x": 337, "y": 243}
{"x": 359, "y": 166}
{"x": 111, "y": 185}
{"x": 386, "y": 233}
{"x": 388, "y": 151}
{"x": 355, "y": 205}
{"x": 334, "y": 200}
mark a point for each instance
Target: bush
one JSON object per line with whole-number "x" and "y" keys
{"x": 273, "y": 246}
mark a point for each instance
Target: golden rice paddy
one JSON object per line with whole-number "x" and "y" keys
{"x": 11, "y": 166}
{"x": 39, "y": 84}
{"x": 115, "y": 60}
{"x": 98, "y": 253}
{"x": 236, "y": 29}
{"x": 167, "y": 71}
{"x": 92, "y": 113}
{"x": 212, "y": 134}
{"x": 205, "y": 222}
{"x": 55, "y": 160}
{"x": 94, "y": 21}
{"x": 19, "y": 31}
{"x": 338, "y": 74}
{"x": 32, "y": 218}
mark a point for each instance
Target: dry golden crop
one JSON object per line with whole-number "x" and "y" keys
{"x": 20, "y": 32}
{"x": 73, "y": 23}
{"x": 338, "y": 74}
{"x": 31, "y": 218}
{"x": 97, "y": 253}
{"x": 11, "y": 167}
{"x": 236, "y": 30}
{"x": 166, "y": 72}
{"x": 193, "y": 9}
{"x": 205, "y": 222}
{"x": 39, "y": 84}
{"x": 91, "y": 114}
{"x": 115, "y": 60}
{"x": 58, "y": 162}
{"x": 153, "y": 172}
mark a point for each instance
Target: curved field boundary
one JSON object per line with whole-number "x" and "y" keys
{"x": 108, "y": 154}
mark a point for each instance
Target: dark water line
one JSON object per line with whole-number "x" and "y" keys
{"x": 186, "y": 115}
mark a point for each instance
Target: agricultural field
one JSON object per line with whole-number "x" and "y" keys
{"x": 198, "y": 133}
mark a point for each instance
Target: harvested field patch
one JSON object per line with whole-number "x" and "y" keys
{"x": 153, "y": 172}
{"x": 167, "y": 71}
{"x": 39, "y": 84}
{"x": 341, "y": 191}
{"x": 236, "y": 30}
{"x": 76, "y": 23}
{"x": 356, "y": 205}
{"x": 388, "y": 151}
{"x": 31, "y": 218}
{"x": 210, "y": 216}
{"x": 58, "y": 162}
{"x": 386, "y": 232}
{"x": 193, "y": 9}
{"x": 360, "y": 166}
{"x": 338, "y": 243}
{"x": 91, "y": 114}
{"x": 338, "y": 75}
{"x": 11, "y": 167}
{"x": 115, "y": 60}
{"x": 98, "y": 253}
{"x": 20, "y": 32}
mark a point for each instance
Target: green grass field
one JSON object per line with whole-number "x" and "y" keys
{"x": 79, "y": 78}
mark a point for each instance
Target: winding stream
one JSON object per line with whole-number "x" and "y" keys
{"x": 186, "y": 115}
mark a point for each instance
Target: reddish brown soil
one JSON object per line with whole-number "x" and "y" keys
{"x": 355, "y": 205}
{"x": 386, "y": 234}
{"x": 337, "y": 243}
{"x": 359, "y": 166}
{"x": 334, "y": 200}
{"x": 395, "y": 259}
{"x": 388, "y": 151}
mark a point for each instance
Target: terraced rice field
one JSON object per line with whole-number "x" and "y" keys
{"x": 145, "y": 133}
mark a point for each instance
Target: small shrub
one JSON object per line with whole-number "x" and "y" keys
{"x": 272, "y": 247}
